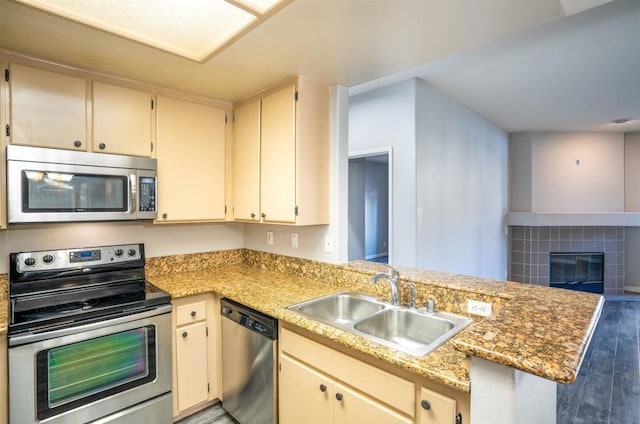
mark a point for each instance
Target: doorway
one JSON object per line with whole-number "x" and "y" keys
{"x": 369, "y": 206}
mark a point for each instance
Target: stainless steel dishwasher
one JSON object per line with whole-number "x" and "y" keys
{"x": 249, "y": 349}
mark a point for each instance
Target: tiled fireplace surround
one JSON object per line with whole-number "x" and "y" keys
{"x": 530, "y": 248}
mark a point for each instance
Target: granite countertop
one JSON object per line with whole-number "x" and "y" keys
{"x": 539, "y": 330}
{"x": 271, "y": 292}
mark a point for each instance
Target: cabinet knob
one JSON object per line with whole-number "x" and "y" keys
{"x": 339, "y": 396}
{"x": 425, "y": 404}
{"x": 323, "y": 388}
{"x": 184, "y": 334}
{"x": 253, "y": 215}
{"x": 193, "y": 313}
{"x": 77, "y": 143}
{"x": 102, "y": 146}
{"x": 164, "y": 216}
{"x": 264, "y": 215}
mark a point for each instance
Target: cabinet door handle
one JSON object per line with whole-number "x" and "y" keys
{"x": 425, "y": 404}
{"x": 263, "y": 215}
{"x": 339, "y": 396}
{"x": 164, "y": 216}
{"x": 184, "y": 334}
{"x": 102, "y": 146}
{"x": 253, "y": 215}
{"x": 323, "y": 388}
{"x": 193, "y": 313}
{"x": 77, "y": 143}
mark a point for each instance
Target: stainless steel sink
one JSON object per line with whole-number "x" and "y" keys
{"x": 411, "y": 331}
{"x": 340, "y": 308}
{"x": 408, "y": 330}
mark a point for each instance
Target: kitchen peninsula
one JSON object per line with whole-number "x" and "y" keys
{"x": 535, "y": 337}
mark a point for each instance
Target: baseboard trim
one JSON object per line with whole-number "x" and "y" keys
{"x": 633, "y": 289}
{"x": 379, "y": 255}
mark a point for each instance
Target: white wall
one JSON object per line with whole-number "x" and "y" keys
{"x": 632, "y": 172}
{"x": 450, "y": 177}
{"x": 520, "y": 195}
{"x": 570, "y": 172}
{"x": 386, "y": 118}
{"x": 159, "y": 240}
{"x": 462, "y": 188}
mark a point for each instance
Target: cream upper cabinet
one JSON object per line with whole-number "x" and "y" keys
{"x": 293, "y": 167}
{"x": 278, "y": 157}
{"x": 121, "y": 120}
{"x": 191, "y": 150}
{"x": 47, "y": 109}
{"x": 246, "y": 162}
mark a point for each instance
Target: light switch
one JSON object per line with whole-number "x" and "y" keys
{"x": 294, "y": 239}
{"x": 270, "y": 237}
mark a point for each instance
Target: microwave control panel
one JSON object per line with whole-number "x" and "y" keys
{"x": 147, "y": 194}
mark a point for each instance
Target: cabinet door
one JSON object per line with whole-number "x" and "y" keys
{"x": 354, "y": 408}
{"x": 246, "y": 162}
{"x": 191, "y": 161}
{"x": 278, "y": 156}
{"x": 47, "y": 109}
{"x": 435, "y": 408}
{"x": 191, "y": 363}
{"x": 121, "y": 120}
{"x": 305, "y": 396}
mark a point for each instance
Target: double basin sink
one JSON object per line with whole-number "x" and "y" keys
{"x": 405, "y": 329}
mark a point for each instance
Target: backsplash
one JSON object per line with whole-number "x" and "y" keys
{"x": 192, "y": 262}
{"x": 531, "y": 248}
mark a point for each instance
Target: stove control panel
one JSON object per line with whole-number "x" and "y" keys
{"x": 73, "y": 258}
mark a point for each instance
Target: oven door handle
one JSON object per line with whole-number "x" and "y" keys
{"x": 133, "y": 193}
{"x": 126, "y": 317}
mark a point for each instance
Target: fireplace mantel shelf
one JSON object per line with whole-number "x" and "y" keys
{"x": 572, "y": 219}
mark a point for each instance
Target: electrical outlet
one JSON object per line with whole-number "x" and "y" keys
{"x": 328, "y": 243}
{"x": 270, "y": 237}
{"x": 294, "y": 239}
{"x": 478, "y": 308}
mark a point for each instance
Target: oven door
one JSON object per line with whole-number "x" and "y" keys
{"x": 93, "y": 372}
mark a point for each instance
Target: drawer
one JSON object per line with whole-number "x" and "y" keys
{"x": 386, "y": 387}
{"x": 192, "y": 312}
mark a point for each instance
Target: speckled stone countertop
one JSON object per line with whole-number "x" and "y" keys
{"x": 4, "y": 313}
{"x": 538, "y": 330}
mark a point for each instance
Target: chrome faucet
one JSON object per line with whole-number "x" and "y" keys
{"x": 392, "y": 278}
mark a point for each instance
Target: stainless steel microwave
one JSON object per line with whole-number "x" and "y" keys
{"x": 51, "y": 185}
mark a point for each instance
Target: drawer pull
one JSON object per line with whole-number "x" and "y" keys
{"x": 193, "y": 313}
{"x": 184, "y": 334}
{"x": 425, "y": 404}
{"x": 102, "y": 146}
{"x": 339, "y": 396}
{"x": 323, "y": 388}
{"x": 77, "y": 143}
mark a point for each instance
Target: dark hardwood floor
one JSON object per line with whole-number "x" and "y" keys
{"x": 607, "y": 390}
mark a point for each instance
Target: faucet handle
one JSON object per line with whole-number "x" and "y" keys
{"x": 431, "y": 305}
{"x": 412, "y": 294}
{"x": 392, "y": 271}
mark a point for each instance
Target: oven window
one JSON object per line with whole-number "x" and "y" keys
{"x": 76, "y": 374}
{"x": 68, "y": 192}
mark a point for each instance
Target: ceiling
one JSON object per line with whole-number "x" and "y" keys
{"x": 527, "y": 65}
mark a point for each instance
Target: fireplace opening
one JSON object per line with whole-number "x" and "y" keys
{"x": 577, "y": 271}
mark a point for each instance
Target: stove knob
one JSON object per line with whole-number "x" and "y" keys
{"x": 119, "y": 252}
{"x": 47, "y": 259}
{"x": 30, "y": 262}
{"x": 131, "y": 252}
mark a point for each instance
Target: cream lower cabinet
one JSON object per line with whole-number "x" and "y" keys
{"x": 4, "y": 381}
{"x": 191, "y": 150}
{"x": 320, "y": 385}
{"x": 435, "y": 408}
{"x": 195, "y": 353}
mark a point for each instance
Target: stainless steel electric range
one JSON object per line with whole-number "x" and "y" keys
{"x": 89, "y": 338}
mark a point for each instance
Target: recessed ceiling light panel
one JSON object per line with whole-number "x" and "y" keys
{"x": 194, "y": 29}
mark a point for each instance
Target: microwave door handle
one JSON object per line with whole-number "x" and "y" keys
{"x": 133, "y": 193}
